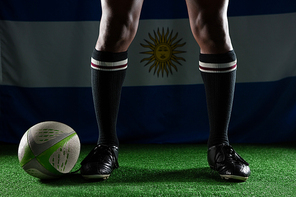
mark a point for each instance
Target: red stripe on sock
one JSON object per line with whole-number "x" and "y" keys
{"x": 108, "y": 67}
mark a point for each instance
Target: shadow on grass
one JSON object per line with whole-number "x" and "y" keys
{"x": 131, "y": 174}
{"x": 137, "y": 175}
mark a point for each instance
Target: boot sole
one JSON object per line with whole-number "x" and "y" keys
{"x": 96, "y": 176}
{"x": 234, "y": 177}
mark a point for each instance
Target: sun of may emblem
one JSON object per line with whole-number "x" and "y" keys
{"x": 163, "y": 52}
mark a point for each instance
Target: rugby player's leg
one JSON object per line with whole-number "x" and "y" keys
{"x": 118, "y": 26}
{"x": 217, "y": 64}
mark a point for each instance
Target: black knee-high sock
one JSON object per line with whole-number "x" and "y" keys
{"x": 219, "y": 73}
{"x": 108, "y": 73}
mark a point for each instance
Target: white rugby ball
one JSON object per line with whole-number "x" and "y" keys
{"x": 48, "y": 150}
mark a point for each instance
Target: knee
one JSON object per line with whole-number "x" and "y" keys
{"x": 210, "y": 29}
{"x": 126, "y": 25}
{"x": 117, "y": 31}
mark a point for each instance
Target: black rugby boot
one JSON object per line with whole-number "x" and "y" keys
{"x": 100, "y": 162}
{"x": 223, "y": 159}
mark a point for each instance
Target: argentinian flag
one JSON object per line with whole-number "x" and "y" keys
{"x": 45, "y": 71}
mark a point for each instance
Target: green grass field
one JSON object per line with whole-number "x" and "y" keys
{"x": 161, "y": 170}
